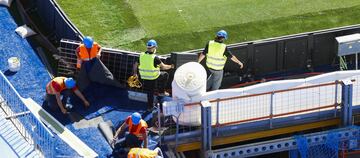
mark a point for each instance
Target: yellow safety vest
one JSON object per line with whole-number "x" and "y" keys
{"x": 142, "y": 153}
{"x": 146, "y": 67}
{"x": 215, "y": 58}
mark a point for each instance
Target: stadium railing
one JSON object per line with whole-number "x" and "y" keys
{"x": 269, "y": 110}
{"x": 31, "y": 127}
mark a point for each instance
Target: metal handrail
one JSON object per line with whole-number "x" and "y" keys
{"x": 270, "y": 116}
{"x": 43, "y": 135}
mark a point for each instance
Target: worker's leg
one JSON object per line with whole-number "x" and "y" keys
{"x": 210, "y": 80}
{"x": 132, "y": 141}
{"x": 162, "y": 81}
{"x": 150, "y": 87}
{"x": 217, "y": 79}
{"x": 50, "y": 103}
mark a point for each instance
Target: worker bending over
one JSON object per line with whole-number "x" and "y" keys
{"x": 137, "y": 129}
{"x": 216, "y": 53}
{"x": 149, "y": 69}
{"x": 62, "y": 87}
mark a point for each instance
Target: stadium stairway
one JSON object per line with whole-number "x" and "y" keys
{"x": 16, "y": 142}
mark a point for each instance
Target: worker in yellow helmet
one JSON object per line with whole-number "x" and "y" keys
{"x": 149, "y": 69}
{"x": 216, "y": 53}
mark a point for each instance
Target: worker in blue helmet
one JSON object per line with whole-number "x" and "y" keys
{"x": 87, "y": 51}
{"x": 216, "y": 53}
{"x": 150, "y": 66}
{"x": 137, "y": 132}
{"x": 62, "y": 87}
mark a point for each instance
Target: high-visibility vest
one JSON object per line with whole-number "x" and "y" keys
{"x": 146, "y": 67}
{"x": 215, "y": 58}
{"x": 137, "y": 131}
{"x": 142, "y": 153}
{"x": 60, "y": 81}
{"x": 84, "y": 55}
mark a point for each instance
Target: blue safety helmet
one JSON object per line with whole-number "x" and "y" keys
{"x": 151, "y": 43}
{"x": 135, "y": 118}
{"x": 88, "y": 42}
{"x": 222, "y": 33}
{"x": 70, "y": 83}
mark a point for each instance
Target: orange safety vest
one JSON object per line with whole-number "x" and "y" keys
{"x": 137, "y": 131}
{"x": 59, "y": 80}
{"x": 84, "y": 55}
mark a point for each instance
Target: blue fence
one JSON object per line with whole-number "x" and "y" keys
{"x": 31, "y": 127}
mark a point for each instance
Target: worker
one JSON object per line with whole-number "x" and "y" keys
{"x": 145, "y": 153}
{"x": 216, "y": 53}
{"x": 62, "y": 87}
{"x": 137, "y": 129}
{"x": 92, "y": 70}
{"x": 87, "y": 51}
{"x": 150, "y": 74}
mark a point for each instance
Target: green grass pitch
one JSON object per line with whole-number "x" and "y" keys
{"x": 180, "y": 25}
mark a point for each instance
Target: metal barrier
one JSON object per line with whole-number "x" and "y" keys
{"x": 344, "y": 135}
{"x": 55, "y": 20}
{"x": 274, "y": 109}
{"x": 282, "y": 56}
{"x": 120, "y": 63}
{"x": 31, "y": 127}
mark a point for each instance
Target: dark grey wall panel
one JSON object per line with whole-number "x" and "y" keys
{"x": 324, "y": 49}
{"x": 265, "y": 58}
{"x": 242, "y": 54}
{"x": 295, "y": 53}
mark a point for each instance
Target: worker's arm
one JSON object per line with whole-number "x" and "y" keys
{"x": 144, "y": 135}
{"x": 203, "y": 53}
{"x": 237, "y": 61}
{"x": 79, "y": 94}
{"x": 99, "y": 52}
{"x": 120, "y": 129}
{"x": 201, "y": 57}
{"x": 165, "y": 66}
{"x": 61, "y": 106}
{"x": 135, "y": 68}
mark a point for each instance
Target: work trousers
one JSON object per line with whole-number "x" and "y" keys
{"x": 214, "y": 80}
{"x": 150, "y": 85}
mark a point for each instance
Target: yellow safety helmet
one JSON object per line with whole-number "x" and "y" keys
{"x": 133, "y": 81}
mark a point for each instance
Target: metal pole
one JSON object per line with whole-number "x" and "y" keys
{"x": 336, "y": 97}
{"x": 346, "y": 109}
{"x": 350, "y": 95}
{"x": 356, "y": 61}
{"x": 217, "y": 116}
{"x": 206, "y": 129}
{"x": 271, "y": 109}
{"x": 159, "y": 121}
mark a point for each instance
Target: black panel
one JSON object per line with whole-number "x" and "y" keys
{"x": 324, "y": 49}
{"x": 179, "y": 59}
{"x": 242, "y": 54}
{"x": 265, "y": 58}
{"x": 295, "y": 53}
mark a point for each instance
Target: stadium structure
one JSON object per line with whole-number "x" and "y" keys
{"x": 297, "y": 96}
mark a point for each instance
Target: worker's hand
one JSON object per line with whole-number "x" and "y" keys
{"x": 172, "y": 66}
{"x": 63, "y": 110}
{"x": 86, "y": 103}
{"x": 113, "y": 141}
{"x": 241, "y": 65}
